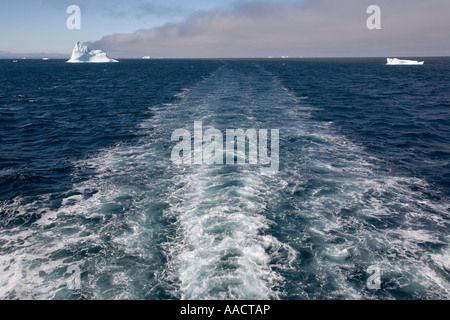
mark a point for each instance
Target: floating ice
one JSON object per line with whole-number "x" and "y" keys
{"x": 396, "y": 61}
{"x": 81, "y": 53}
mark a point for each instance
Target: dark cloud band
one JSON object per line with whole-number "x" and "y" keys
{"x": 295, "y": 28}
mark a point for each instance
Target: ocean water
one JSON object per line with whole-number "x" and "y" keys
{"x": 87, "y": 180}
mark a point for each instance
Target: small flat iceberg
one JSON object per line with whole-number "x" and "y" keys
{"x": 395, "y": 62}
{"x": 82, "y": 54}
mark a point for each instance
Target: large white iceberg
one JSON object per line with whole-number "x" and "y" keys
{"x": 81, "y": 53}
{"x": 396, "y": 61}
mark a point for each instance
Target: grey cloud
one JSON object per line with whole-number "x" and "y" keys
{"x": 303, "y": 28}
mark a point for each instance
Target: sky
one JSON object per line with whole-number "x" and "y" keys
{"x": 226, "y": 28}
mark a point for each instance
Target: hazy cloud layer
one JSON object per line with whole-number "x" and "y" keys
{"x": 303, "y": 28}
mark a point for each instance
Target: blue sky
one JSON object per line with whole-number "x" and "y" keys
{"x": 29, "y": 26}
{"x": 227, "y": 28}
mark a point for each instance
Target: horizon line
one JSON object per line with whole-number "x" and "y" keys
{"x": 49, "y": 56}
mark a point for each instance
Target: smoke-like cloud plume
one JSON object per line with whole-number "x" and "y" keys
{"x": 295, "y": 28}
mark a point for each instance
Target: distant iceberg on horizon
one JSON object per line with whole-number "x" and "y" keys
{"x": 396, "y": 61}
{"x": 82, "y": 54}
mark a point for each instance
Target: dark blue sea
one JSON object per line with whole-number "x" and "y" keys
{"x": 93, "y": 207}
